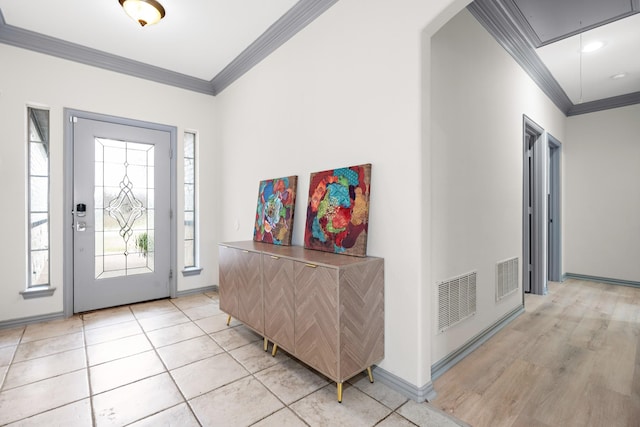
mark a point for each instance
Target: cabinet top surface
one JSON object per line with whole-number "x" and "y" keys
{"x": 299, "y": 253}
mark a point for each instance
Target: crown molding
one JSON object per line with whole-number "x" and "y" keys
{"x": 501, "y": 18}
{"x": 495, "y": 17}
{"x": 298, "y": 17}
{"x": 37, "y": 42}
{"x": 504, "y": 21}
{"x": 605, "y": 104}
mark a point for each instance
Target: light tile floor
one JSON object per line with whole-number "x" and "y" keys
{"x": 177, "y": 363}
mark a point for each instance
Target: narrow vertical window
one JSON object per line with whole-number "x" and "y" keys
{"x": 190, "y": 242}
{"x": 38, "y": 243}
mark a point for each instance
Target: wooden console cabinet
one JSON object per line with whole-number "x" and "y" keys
{"x": 327, "y": 310}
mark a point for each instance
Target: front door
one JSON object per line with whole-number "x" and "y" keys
{"x": 122, "y": 197}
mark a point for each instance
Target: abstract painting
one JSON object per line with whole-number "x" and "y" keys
{"x": 274, "y": 214}
{"x": 338, "y": 210}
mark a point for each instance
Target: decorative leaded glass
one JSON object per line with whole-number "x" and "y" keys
{"x": 124, "y": 186}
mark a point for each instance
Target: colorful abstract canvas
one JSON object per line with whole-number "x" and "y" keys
{"x": 338, "y": 210}
{"x": 274, "y": 214}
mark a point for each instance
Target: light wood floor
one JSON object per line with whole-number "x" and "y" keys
{"x": 573, "y": 359}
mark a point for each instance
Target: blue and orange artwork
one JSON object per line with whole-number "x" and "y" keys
{"x": 338, "y": 210}
{"x": 274, "y": 214}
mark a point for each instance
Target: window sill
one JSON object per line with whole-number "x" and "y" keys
{"x": 38, "y": 292}
{"x": 192, "y": 271}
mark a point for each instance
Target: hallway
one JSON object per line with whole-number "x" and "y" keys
{"x": 573, "y": 359}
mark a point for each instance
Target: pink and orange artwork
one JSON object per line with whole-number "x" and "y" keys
{"x": 338, "y": 210}
{"x": 274, "y": 214}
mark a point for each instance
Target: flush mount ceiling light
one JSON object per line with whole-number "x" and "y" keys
{"x": 592, "y": 47}
{"x": 144, "y": 12}
{"x": 619, "y": 76}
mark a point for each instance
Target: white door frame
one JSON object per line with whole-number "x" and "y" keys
{"x": 68, "y": 197}
{"x": 554, "y": 209}
{"x": 534, "y": 218}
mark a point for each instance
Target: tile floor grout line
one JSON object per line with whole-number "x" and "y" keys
{"x": 224, "y": 351}
{"x": 329, "y": 383}
{"x": 228, "y": 352}
{"x": 48, "y": 410}
{"x": 250, "y": 374}
{"x": 187, "y": 401}
{"x": 11, "y": 361}
{"x": 2, "y": 389}
{"x": 286, "y": 406}
{"x": 394, "y": 412}
{"x": 44, "y": 379}
{"x": 91, "y": 394}
{"x": 157, "y": 412}
{"x": 24, "y": 330}
{"x": 41, "y": 379}
{"x": 168, "y": 372}
{"x": 232, "y": 353}
{"x": 94, "y": 420}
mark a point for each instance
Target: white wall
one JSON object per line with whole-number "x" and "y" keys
{"x": 479, "y": 95}
{"x": 29, "y": 78}
{"x": 344, "y": 91}
{"x": 351, "y": 83}
{"x": 602, "y": 194}
{"x": 355, "y": 86}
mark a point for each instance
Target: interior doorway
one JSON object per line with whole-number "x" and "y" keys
{"x": 554, "y": 224}
{"x": 534, "y": 215}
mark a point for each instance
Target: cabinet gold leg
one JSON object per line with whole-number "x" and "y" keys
{"x": 228, "y": 320}
{"x": 339, "y": 392}
{"x": 370, "y": 374}
{"x": 275, "y": 350}
{"x": 266, "y": 344}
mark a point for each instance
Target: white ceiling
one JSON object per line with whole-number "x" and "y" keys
{"x": 587, "y": 77}
{"x": 197, "y": 38}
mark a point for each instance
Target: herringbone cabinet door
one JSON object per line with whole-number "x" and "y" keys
{"x": 316, "y": 328}
{"x": 279, "y": 294}
{"x": 249, "y": 281}
{"x": 326, "y": 310}
{"x": 227, "y": 286}
{"x": 362, "y": 317}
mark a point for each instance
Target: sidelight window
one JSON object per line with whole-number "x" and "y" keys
{"x": 38, "y": 197}
{"x": 190, "y": 213}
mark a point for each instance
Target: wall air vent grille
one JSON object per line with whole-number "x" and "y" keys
{"x": 506, "y": 278}
{"x": 456, "y": 300}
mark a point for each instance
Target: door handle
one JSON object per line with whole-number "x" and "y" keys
{"x": 80, "y": 212}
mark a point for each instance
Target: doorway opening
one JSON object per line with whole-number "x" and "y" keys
{"x": 533, "y": 236}
{"x": 554, "y": 215}
{"x": 541, "y": 234}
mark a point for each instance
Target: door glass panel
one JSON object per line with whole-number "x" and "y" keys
{"x": 124, "y": 185}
